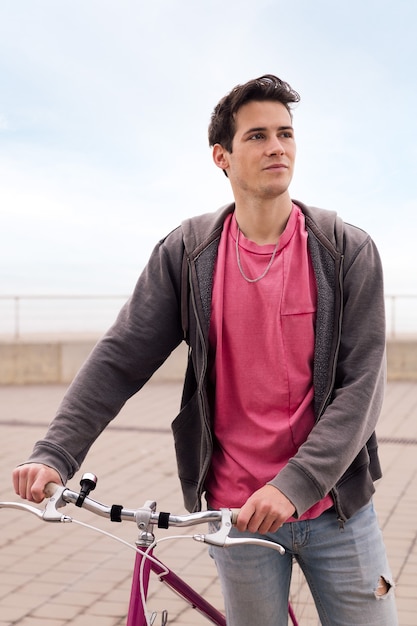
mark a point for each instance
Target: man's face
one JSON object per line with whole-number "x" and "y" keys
{"x": 261, "y": 163}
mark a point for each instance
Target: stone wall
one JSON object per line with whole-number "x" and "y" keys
{"x": 58, "y": 360}
{"x": 39, "y": 361}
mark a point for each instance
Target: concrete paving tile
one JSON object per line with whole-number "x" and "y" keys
{"x": 32, "y": 621}
{"x": 78, "y": 598}
{"x": 90, "y": 584}
{"x": 56, "y": 611}
{"x": 38, "y": 590}
{"x": 14, "y": 613}
{"x": 92, "y": 620}
{"x": 24, "y": 597}
{"x": 110, "y": 609}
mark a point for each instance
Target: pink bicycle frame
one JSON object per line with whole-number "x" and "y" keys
{"x": 136, "y": 614}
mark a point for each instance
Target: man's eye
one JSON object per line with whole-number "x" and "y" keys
{"x": 257, "y": 136}
{"x": 287, "y": 135}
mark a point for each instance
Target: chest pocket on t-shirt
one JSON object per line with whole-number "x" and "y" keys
{"x": 299, "y": 289}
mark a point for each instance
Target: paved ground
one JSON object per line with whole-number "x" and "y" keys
{"x": 65, "y": 575}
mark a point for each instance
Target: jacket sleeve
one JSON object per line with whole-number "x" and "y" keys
{"x": 357, "y": 390}
{"x": 146, "y": 331}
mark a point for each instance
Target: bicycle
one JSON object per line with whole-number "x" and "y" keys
{"x": 146, "y": 517}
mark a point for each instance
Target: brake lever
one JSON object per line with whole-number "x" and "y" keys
{"x": 221, "y": 537}
{"x": 22, "y": 507}
{"x": 56, "y": 501}
{"x": 49, "y": 513}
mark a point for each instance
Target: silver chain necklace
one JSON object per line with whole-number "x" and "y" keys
{"x": 239, "y": 264}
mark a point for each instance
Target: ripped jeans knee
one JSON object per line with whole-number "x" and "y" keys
{"x": 383, "y": 588}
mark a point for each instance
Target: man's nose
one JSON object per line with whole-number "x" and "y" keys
{"x": 275, "y": 146}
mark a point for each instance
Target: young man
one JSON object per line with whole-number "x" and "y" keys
{"x": 282, "y": 306}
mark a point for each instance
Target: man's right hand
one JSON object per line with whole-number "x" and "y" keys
{"x": 30, "y": 480}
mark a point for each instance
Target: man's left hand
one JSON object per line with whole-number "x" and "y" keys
{"x": 265, "y": 511}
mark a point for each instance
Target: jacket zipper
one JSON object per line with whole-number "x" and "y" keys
{"x": 200, "y": 383}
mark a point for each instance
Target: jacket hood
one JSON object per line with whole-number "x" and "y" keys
{"x": 200, "y": 231}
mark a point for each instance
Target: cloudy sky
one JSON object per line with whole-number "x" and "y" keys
{"x": 104, "y": 107}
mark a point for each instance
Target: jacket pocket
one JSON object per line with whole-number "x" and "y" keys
{"x": 189, "y": 447}
{"x": 356, "y": 487}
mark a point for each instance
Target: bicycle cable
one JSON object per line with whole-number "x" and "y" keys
{"x": 144, "y": 553}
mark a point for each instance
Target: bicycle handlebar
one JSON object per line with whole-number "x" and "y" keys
{"x": 145, "y": 517}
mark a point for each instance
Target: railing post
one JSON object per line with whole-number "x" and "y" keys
{"x": 17, "y": 317}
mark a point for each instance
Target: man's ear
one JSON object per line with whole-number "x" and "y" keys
{"x": 220, "y": 157}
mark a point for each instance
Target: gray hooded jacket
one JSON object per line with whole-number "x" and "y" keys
{"x": 171, "y": 303}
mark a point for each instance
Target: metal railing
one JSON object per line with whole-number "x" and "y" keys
{"x": 55, "y": 314}
{"x": 401, "y": 315}
{"x": 22, "y": 315}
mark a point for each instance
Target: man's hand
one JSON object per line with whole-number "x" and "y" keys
{"x": 29, "y": 480}
{"x": 265, "y": 511}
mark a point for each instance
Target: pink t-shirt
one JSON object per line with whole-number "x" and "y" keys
{"x": 261, "y": 359}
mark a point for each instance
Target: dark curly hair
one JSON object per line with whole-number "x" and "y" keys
{"x": 222, "y": 126}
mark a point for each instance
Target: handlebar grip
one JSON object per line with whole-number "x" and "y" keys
{"x": 235, "y": 513}
{"x": 50, "y": 489}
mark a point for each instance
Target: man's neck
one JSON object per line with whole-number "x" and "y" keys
{"x": 263, "y": 222}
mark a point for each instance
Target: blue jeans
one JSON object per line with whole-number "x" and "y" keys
{"x": 342, "y": 567}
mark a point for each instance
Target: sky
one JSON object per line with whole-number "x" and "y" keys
{"x": 104, "y": 108}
